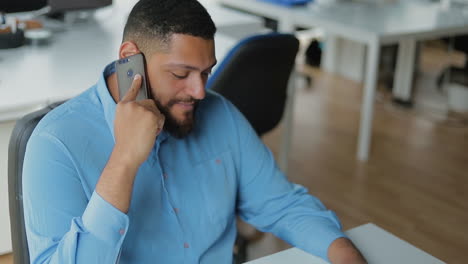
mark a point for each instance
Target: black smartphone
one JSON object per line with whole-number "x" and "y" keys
{"x": 126, "y": 69}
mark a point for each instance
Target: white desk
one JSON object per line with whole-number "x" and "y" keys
{"x": 34, "y": 76}
{"x": 403, "y": 22}
{"x": 377, "y": 245}
{"x": 31, "y": 77}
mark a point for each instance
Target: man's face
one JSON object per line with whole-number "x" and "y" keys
{"x": 177, "y": 78}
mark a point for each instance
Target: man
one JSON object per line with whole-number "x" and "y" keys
{"x": 161, "y": 180}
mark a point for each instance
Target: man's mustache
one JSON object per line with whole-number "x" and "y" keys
{"x": 190, "y": 100}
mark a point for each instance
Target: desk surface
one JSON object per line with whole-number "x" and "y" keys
{"x": 387, "y": 21}
{"x": 34, "y": 76}
{"x": 377, "y": 245}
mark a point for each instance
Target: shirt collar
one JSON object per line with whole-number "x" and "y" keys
{"x": 109, "y": 106}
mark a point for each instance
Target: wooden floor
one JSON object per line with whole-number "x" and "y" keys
{"x": 6, "y": 259}
{"x": 414, "y": 185}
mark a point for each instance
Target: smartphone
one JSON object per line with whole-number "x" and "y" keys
{"x": 126, "y": 69}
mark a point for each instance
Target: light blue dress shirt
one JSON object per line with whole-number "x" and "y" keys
{"x": 185, "y": 197}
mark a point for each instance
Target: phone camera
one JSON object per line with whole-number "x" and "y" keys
{"x": 122, "y": 61}
{"x": 130, "y": 73}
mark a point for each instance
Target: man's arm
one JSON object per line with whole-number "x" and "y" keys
{"x": 63, "y": 224}
{"x": 271, "y": 203}
{"x": 136, "y": 126}
{"x": 343, "y": 251}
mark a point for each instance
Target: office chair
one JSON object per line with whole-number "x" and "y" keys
{"x": 456, "y": 74}
{"x": 254, "y": 77}
{"x": 16, "y": 150}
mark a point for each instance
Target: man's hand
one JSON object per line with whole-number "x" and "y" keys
{"x": 136, "y": 127}
{"x": 343, "y": 251}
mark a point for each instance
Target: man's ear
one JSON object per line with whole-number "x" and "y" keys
{"x": 127, "y": 49}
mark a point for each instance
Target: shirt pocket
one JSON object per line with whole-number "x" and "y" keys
{"x": 218, "y": 185}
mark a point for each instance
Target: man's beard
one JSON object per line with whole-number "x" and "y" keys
{"x": 178, "y": 129}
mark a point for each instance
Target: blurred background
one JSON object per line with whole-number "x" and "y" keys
{"x": 375, "y": 121}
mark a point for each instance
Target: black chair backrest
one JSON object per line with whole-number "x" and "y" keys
{"x": 254, "y": 77}
{"x": 16, "y": 150}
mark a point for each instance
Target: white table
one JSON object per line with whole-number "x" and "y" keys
{"x": 34, "y": 76}
{"x": 31, "y": 77}
{"x": 403, "y": 22}
{"x": 377, "y": 245}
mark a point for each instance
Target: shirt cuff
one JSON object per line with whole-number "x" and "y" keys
{"x": 329, "y": 238}
{"x": 329, "y": 230}
{"x": 104, "y": 220}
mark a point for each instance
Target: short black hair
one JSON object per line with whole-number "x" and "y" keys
{"x": 157, "y": 20}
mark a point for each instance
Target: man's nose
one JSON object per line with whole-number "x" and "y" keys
{"x": 197, "y": 89}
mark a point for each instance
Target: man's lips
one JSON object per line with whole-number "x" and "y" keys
{"x": 186, "y": 105}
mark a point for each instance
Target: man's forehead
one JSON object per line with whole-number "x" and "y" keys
{"x": 184, "y": 65}
{"x": 189, "y": 52}
{"x": 178, "y": 42}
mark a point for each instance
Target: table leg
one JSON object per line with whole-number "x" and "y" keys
{"x": 367, "y": 109}
{"x": 330, "y": 54}
{"x": 286, "y": 25}
{"x": 344, "y": 57}
{"x": 288, "y": 122}
{"x": 403, "y": 79}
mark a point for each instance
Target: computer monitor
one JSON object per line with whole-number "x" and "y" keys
{"x": 68, "y": 5}
{"x": 15, "y": 6}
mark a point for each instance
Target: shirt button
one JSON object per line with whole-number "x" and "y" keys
{"x": 176, "y": 210}
{"x": 165, "y": 175}
{"x": 218, "y": 161}
{"x": 186, "y": 245}
{"x": 122, "y": 231}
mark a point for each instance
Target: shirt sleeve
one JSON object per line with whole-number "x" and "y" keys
{"x": 63, "y": 223}
{"x": 271, "y": 203}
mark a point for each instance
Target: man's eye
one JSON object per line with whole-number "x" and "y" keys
{"x": 179, "y": 76}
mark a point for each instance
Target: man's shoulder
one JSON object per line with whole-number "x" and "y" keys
{"x": 214, "y": 109}
{"x": 213, "y": 99}
{"x": 215, "y": 118}
{"x": 71, "y": 115}
{"x": 215, "y": 104}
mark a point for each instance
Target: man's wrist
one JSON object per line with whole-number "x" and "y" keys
{"x": 121, "y": 160}
{"x": 116, "y": 183}
{"x": 343, "y": 251}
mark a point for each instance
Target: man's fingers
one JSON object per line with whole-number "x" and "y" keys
{"x": 132, "y": 93}
{"x": 151, "y": 106}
